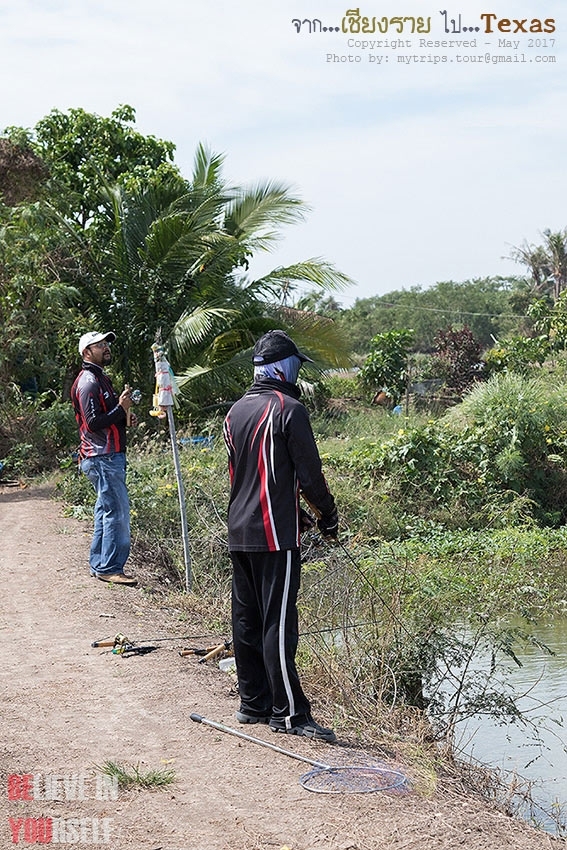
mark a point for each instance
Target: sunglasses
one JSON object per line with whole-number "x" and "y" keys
{"x": 103, "y": 344}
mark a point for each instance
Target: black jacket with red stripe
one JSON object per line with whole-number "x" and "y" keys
{"x": 272, "y": 456}
{"x": 101, "y": 420}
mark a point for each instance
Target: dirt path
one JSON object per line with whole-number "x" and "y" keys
{"x": 67, "y": 707}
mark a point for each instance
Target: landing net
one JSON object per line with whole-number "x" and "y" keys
{"x": 351, "y": 780}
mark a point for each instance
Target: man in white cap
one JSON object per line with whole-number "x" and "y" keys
{"x": 101, "y": 415}
{"x": 272, "y": 457}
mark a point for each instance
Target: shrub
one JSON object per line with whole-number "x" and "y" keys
{"x": 456, "y": 359}
{"x": 517, "y": 354}
{"x": 500, "y": 456}
{"x": 343, "y": 385}
{"x": 386, "y": 366}
{"x": 35, "y": 434}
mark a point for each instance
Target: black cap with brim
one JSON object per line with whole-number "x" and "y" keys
{"x": 276, "y": 345}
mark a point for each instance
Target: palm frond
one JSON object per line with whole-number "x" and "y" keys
{"x": 254, "y": 214}
{"x": 220, "y": 382}
{"x": 195, "y": 326}
{"x": 317, "y": 336}
{"x": 206, "y": 167}
{"x": 314, "y": 271}
{"x": 172, "y": 247}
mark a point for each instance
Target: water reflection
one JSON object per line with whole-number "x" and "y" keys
{"x": 536, "y": 752}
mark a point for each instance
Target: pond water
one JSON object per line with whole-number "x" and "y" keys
{"x": 537, "y": 752}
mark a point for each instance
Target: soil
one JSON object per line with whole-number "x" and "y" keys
{"x": 69, "y": 707}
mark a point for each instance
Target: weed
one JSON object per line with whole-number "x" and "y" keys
{"x": 134, "y": 777}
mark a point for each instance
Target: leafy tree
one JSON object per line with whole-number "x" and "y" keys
{"x": 22, "y": 172}
{"x": 120, "y": 239}
{"x": 39, "y": 291}
{"x": 386, "y": 366}
{"x": 84, "y": 151}
{"x": 485, "y": 305}
{"x": 51, "y": 182}
{"x": 457, "y": 358}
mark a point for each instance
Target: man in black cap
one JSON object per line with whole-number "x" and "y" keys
{"x": 101, "y": 415}
{"x": 272, "y": 457}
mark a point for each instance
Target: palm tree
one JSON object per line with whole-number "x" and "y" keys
{"x": 547, "y": 263}
{"x": 177, "y": 266}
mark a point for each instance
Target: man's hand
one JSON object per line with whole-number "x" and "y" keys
{"x": 306, "y": 521}
{"x": 328, "y": 524}
{"x": 125, "y": 399}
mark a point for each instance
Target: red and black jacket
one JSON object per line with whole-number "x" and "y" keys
{"x": 101, "y": 420}
{"x": 272, "y": 457}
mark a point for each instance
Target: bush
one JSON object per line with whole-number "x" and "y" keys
{"x": 517, "y": 354}
{"x": 456, "y": 359}
{"x": 344, "y": 385}
{"x": 386, "y": 367}
{"x": 499, "y": 456}
{"x": 385, "y": 626}
{"x": 35, "y": 434}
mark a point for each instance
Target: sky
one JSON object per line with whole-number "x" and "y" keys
{"x": 420, "y": 161}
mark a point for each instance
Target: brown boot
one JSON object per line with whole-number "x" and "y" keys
{"x": 118, "y": 578}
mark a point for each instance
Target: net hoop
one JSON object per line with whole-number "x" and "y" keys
{"x": 351, "y": 780}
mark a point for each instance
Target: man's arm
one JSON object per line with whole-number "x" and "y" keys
{"x": 95, "y": 418}
{"x": 307, "y": 461}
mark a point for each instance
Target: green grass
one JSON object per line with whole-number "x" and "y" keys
{"x": 430, "y": 550}
{"x": 134, "y": 777}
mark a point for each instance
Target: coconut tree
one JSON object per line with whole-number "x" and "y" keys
{"x": 177, "y": 265}
{"x": 546, "y": 263}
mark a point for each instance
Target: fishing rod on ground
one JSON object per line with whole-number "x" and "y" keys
{"x": 104, "y": 641}
{"x": 121, "y": 645}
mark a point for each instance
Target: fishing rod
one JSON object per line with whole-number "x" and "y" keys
{"x": 110, "y": 641}
{"x": 329, "y": 540}
{"x": 335, "y": 629}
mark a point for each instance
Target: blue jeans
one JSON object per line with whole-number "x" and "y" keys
{"x": 110, "y": 545}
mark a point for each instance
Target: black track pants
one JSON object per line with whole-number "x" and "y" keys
{"x": 265, "y": 633}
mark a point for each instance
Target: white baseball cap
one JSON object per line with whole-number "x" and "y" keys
{"x": 92, "y": 337}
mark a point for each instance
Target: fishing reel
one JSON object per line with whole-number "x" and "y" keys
{"x": 117, "y": 641}
{"x": 121, "y": 645}
{"x": 135, "y": 398}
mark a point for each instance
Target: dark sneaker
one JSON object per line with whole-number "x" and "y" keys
{"x": 242, "y": 717}
{"x": 308, "y": 728}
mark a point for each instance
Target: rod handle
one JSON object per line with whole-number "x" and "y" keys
{"x": 198, "y": 718}
{"x": 213, "y": 653}
{"x": 128, "y": 412}
{"x": 311, "y": 506}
